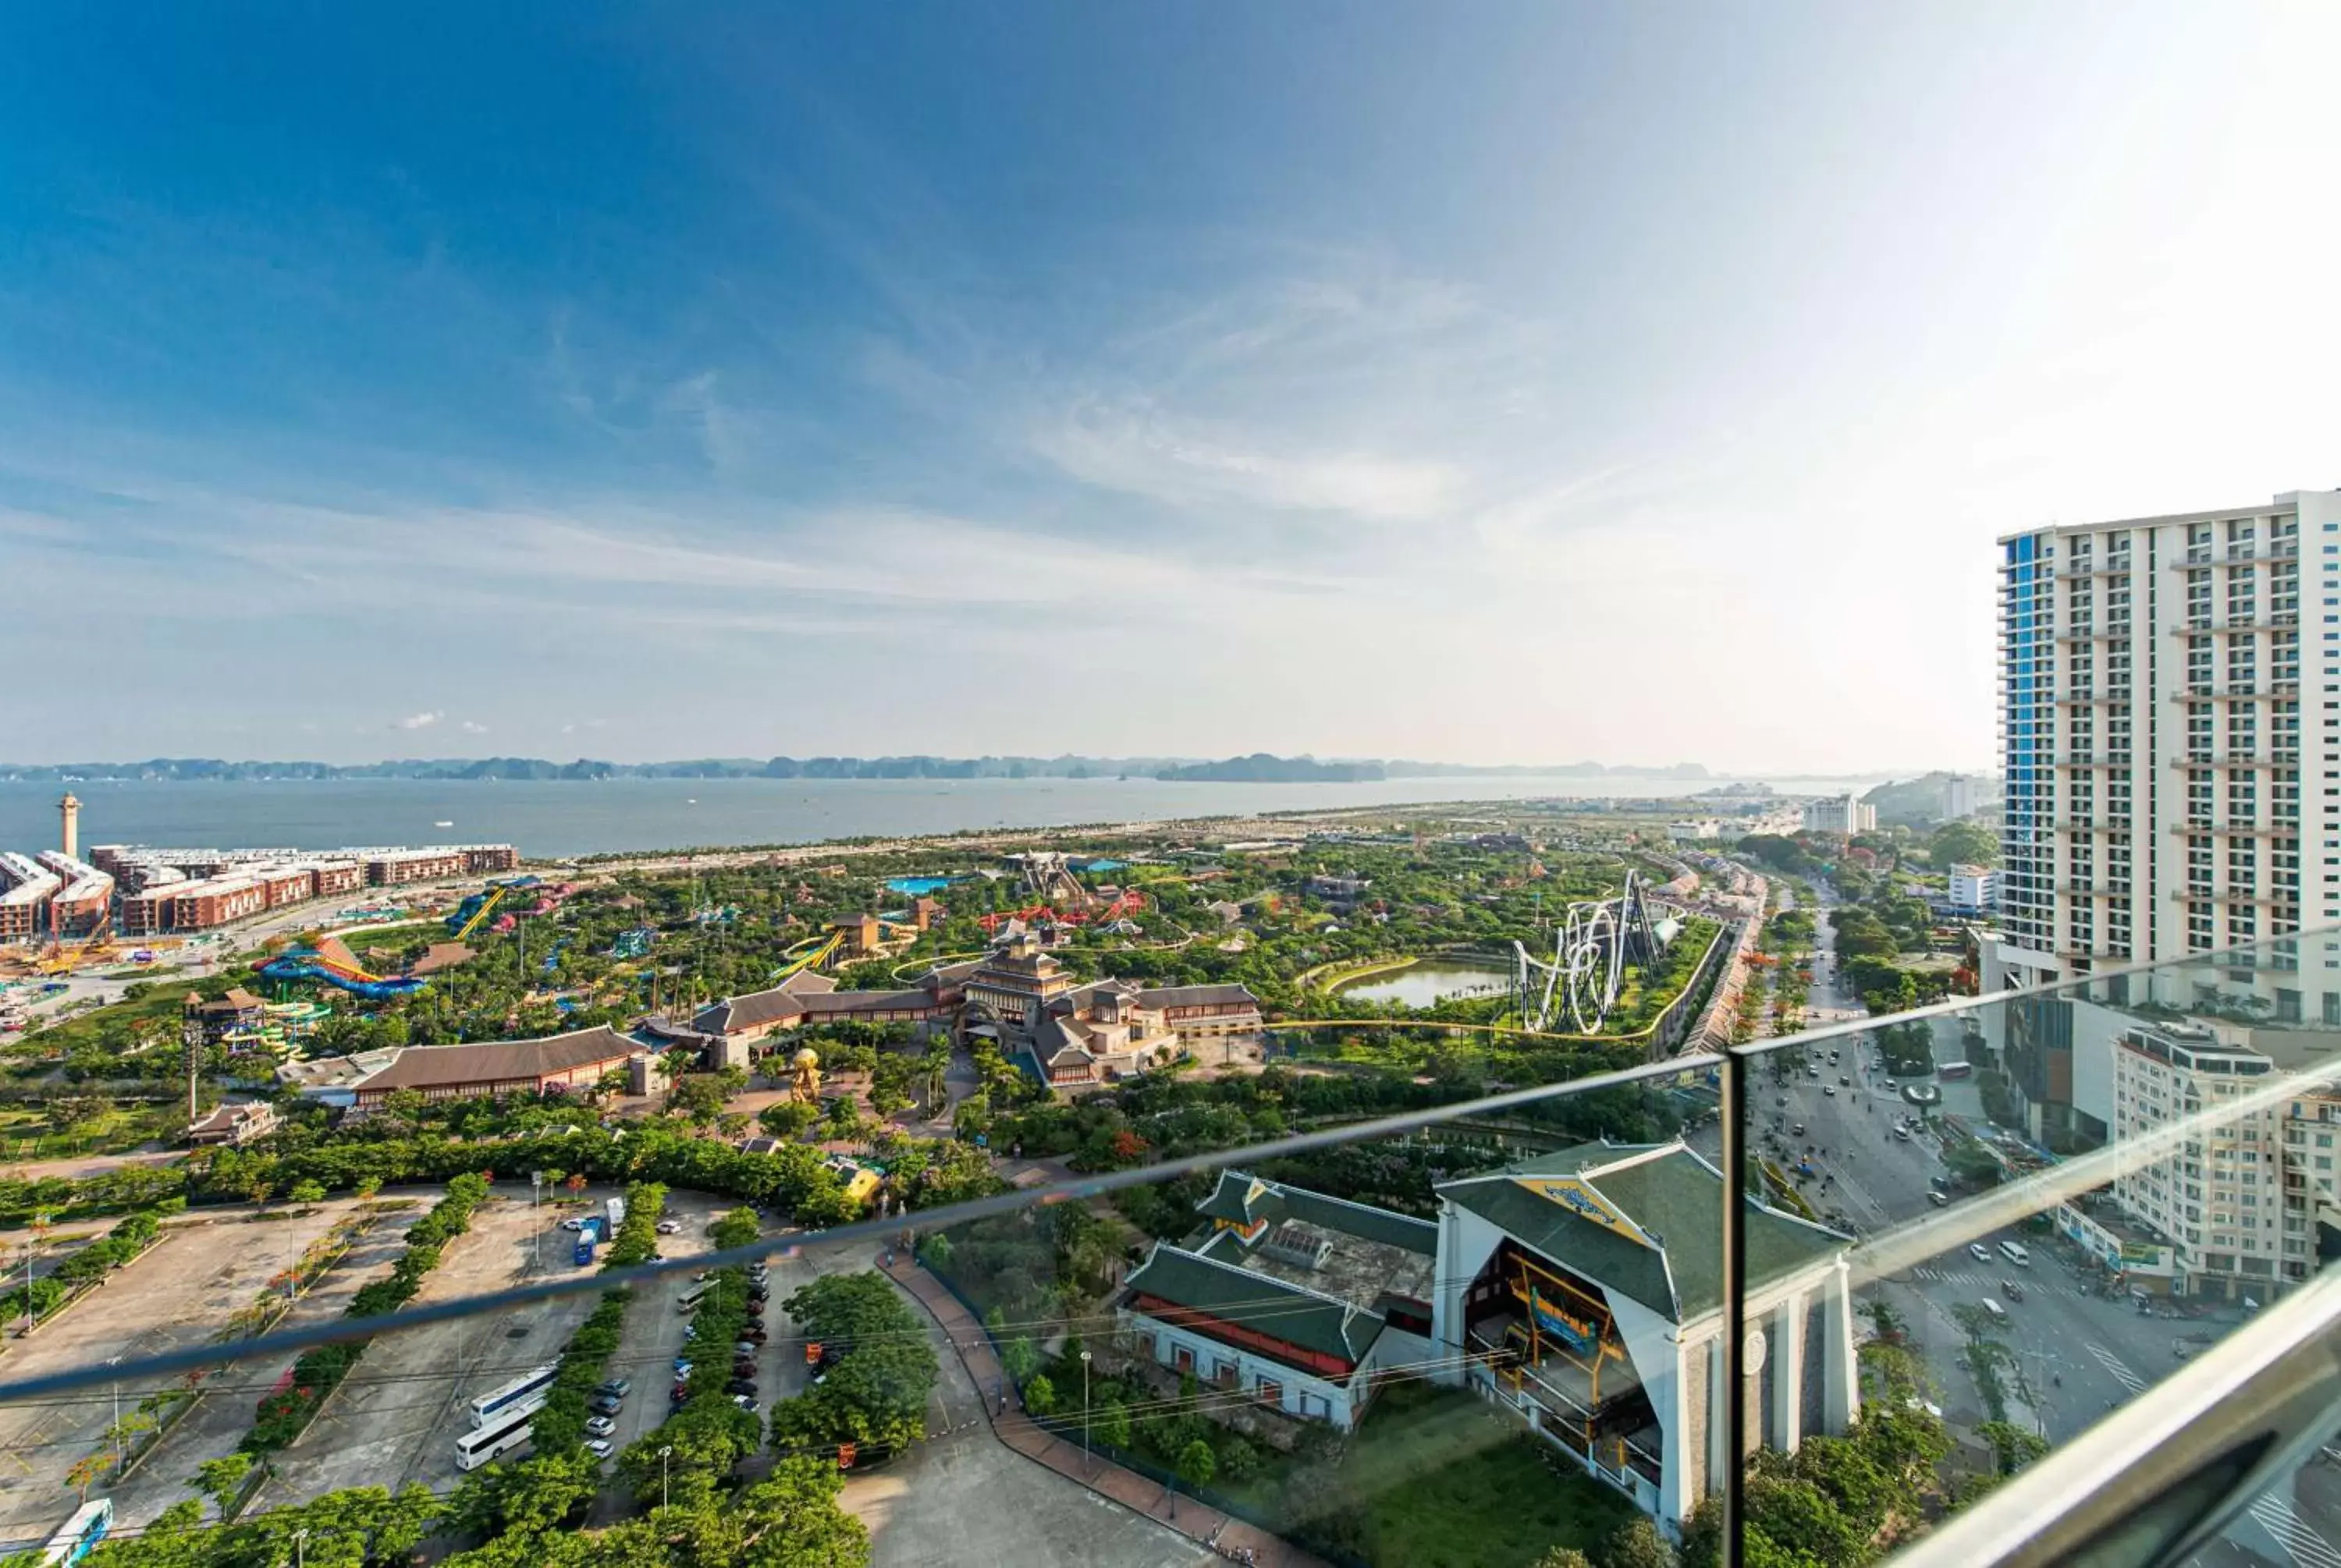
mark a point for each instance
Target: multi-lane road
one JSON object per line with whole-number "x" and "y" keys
{"x": 2081, "y": 1354}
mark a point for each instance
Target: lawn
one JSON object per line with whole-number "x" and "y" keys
{"x": 1437, "y": 1479}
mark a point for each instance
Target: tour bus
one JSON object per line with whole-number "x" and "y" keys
{"x": 490, "y": 1408}
{"x": 475, "y": 1449}
{"x": 79, "y": 1535}
{"x": 1955, "y": 1070}
{"x": 690, "y": 1299}
{"x": 2013, "y": 1251}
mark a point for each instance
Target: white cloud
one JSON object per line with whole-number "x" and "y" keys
{"x": 417, "y": 721}
{"x": 469, "y": 728}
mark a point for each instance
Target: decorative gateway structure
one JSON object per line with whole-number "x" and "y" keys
{"x": 1583, "y": 1290}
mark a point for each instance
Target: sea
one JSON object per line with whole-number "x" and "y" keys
{"x": 559, "y": 818}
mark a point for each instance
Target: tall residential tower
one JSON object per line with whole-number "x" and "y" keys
{"x": 2171, "y": 729}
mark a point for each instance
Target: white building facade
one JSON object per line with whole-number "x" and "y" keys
{"x": 1972, "y": 887}
{"x": 2171, "y": 732}
{"x": 1842, "y": 815}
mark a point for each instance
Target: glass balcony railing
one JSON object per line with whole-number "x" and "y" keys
{"x": 1923, "y": 1287}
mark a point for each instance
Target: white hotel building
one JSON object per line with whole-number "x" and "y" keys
{"x": 2171, "y": 729}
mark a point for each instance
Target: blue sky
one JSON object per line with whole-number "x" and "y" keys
{"x": 1496, "y": 383}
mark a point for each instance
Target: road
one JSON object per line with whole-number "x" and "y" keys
{"x": 2080, "y": 1354}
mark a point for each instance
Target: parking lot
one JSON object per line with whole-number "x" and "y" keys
{"x": 179, "y": 1295}
{"x": 396, "y": 1418}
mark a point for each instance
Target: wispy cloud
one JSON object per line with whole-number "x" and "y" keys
{"x": 470, "y": 728}
{"x": 416, "y": 721}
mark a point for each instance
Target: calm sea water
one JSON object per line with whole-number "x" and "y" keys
{"x": 556, "y": 818}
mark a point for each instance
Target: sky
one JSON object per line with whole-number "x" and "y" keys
{"x": 1502, "y": 382}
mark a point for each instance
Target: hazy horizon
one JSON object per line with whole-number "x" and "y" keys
{"x": 1538, "y": 380}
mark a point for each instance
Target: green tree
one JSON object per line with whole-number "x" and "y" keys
{"x": 2012, "y": 1445}
{"x": 221, "y": 1479}
{"x": 1113, "y": 1423}
{"x": 1197, "y": 1465}
{"x": 1040, "y": 1396}
{"x": 1637, "y": 1544}
{"x": 1563, "y": 1557}
{"x": 310, "y": 1191}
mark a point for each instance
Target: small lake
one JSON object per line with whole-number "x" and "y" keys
{"x": 1429, "y": 982}
{"x": 919, "y": 887}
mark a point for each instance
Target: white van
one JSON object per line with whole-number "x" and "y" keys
{"x": 2013, "y": 1253}
{"x": 1998, "y": 1312}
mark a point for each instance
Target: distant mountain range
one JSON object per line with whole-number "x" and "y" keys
{"x": 1258, "y": 767}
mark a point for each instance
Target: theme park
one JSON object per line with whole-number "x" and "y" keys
{"x": 663, "y": 1050}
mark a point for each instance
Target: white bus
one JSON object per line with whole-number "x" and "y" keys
{"x": 2013, "y": 1251}
{"x": 475, "y": 1449}
{"x": 617, "y": 1207}
{"x": 490, "y": 1408}
{"x": 690, "y": 1299}
{"x": 78, "y": 1537}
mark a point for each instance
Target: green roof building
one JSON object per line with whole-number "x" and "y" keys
{"x": 1583, "y": 1290}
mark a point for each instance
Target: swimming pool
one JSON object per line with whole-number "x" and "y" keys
{"x": 918, "y": 887}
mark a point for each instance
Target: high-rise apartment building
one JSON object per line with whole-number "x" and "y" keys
{"x": 1842, "y": 815}
{"x": 2171, "y": 729}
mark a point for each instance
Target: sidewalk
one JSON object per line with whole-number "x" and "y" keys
{"x": 1194, "y": 1520}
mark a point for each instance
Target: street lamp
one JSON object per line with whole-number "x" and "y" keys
{"x": 1085, "y": 1410}
{"x": 300, "y": 1551}
{"x": 663, "y": 1451}
{"x": 116, "y": 1360}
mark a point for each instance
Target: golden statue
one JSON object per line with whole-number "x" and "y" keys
{"x": 807, "y": 1087}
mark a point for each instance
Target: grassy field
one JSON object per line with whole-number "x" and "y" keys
{"x": 1441, "y": 1481}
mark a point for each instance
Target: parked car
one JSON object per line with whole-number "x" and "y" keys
{"x": 669, "y": 1227}
{"x": 741, "y": 1385}
{"x": 754, "y": 1334}
{"x": 601, "y": 1425}
{"x": 617, "y": 1387}
{"x": 1939, "y": 1197}
{"x": 598, "y": 1448}
{"x": 682, "y": 1366}
{"x": 605, "y": 1404}
{"x": 746, "y": 1401}
{"x": 573, "y": 1223}
{"x": 744, "y": 1347}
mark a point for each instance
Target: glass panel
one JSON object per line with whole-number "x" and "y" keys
{"x": 1346, "y": 1306}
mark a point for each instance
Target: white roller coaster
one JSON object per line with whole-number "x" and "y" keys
{"x": 1592, "y": 945}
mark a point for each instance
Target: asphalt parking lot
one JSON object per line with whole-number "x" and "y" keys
{"x": 179, "y": 1295}
{"x": 219, "y": 1421}
{"x": 396, "y": 1418}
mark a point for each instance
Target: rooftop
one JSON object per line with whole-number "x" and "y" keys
{"x": 1605, "y": 1211}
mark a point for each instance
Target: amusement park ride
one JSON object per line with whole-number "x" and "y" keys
{"x": 1063, "y": 898}
{"x": 1592, "y": 945}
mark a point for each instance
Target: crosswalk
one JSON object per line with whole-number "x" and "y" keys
{"x": 2301, "y": 1540}
{"x": 2293, "y": 1533}
{"x": 2118, "y": 1367}
{"x": 1988, "y": 1285}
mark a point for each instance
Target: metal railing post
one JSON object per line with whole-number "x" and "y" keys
{"x": 1734, "y": 1076}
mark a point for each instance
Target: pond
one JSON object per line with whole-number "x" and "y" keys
{"x": 1430, "y": 981}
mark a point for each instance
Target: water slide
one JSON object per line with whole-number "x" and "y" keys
{"x": 302, "y": 965}
{"x": 818, "y": 952}
{"x": 475, "y": 914}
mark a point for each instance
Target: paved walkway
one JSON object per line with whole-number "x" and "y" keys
{"x": 1020, "y": 1431}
